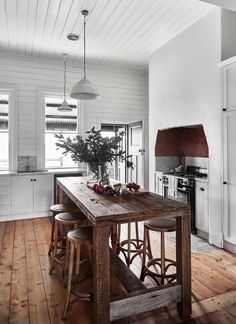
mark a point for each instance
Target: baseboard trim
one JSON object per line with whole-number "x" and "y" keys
{"x": 203, "y": 235}
{"x": 23, "y": 216}
{"x": 230, "y": 247}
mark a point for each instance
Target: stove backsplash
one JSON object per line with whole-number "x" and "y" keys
{"x": 197, "y": 161}
{"x": 165, "y": 163}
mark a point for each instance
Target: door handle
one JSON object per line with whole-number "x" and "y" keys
{"x": 202, "y": 189}
{"x": 31, "y": 179}
{"x": 225, "y": 182}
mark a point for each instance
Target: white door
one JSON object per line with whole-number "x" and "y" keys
{"x": 137, "y": 151}
{"x": 229, "y": 177}
{"x": 22, "y": 194}
{"x": 43, "y": 192}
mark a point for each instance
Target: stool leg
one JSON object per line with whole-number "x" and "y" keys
{"x": 69, "y": 283}
{"x": 148, "y": 248}
{"x": 66, "y": 263}
{"x": 52, "y": 234}
{"x": 162, "y": 258}
{"x": 56, "y": 229}
{"x": 129, "y": 245}
{"x": 114, "y": 238}
{"x": 137, "y": 235}
{"x": 77, "y": 265}
{"x": 145, "y": 239}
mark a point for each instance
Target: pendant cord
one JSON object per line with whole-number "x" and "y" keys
{"x": 64, "y": 79}
{"x": 84, "y": 48}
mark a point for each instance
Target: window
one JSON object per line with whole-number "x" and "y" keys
{"x": 4, "y": 132}
{"x": 56, "y": 121}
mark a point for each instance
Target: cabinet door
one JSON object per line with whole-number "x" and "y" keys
{"x": 229, "y": 186}
{"x": 43, "y": 192}
{"x": 5, "y": 195}
{"x": 22, "y": 194}
{"x": 158, "y": 183}
{"x": 229, "y": 87}
{"x": 201, "y": 209}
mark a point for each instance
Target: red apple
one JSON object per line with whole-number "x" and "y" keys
{"x": 100, "y": 188}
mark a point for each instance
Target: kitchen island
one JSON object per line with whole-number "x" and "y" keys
{"x": 104, "y": 211}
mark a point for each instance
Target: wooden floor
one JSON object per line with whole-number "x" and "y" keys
{"x": 28, "y": 294}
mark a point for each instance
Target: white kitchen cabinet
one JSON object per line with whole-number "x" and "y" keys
{"x": 32, "y": 194}
{"x": 5, "y": 196}
{"x": 229, "y": 176}
{"x": 229, "y": 154}
{"x": 202, "y": 207}
{"x": 158, "y": 188}
{"x": 229, "y": 82}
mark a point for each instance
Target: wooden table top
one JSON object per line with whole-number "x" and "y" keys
{"x": 103, "y": 209}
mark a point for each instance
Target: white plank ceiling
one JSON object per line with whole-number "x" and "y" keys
{"x": 118, "y": 31}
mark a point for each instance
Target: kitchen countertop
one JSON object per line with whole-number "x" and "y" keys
{"x": 205, "y": 179}
{"x": 49, "y": 171}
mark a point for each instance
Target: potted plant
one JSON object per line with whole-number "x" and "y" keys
{"x": 95, "y": 150}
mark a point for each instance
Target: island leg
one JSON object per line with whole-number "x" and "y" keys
{"x": 183, "y": 259}
{"x": 101, "y": 274}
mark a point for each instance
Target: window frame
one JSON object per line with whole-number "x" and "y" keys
{"x": 11, "y": 91}
{"x": 42, "y": 94}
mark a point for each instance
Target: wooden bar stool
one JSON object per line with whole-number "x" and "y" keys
{"x": 132, "y": 246}
{"x": 64, "y": 222}
{"x": 157, "y": 268}
{"x": 77, "y": 239}
{"x": 56, "y": 209}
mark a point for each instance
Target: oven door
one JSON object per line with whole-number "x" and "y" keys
{"x": 183, "y": 196}
{"x": 187, "y": 196}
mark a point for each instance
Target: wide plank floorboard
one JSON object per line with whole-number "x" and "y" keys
{"x": 30, "y": 295}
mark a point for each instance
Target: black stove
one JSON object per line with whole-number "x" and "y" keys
{"x": 184, "y": 187}
{"x": 191, "y": 172}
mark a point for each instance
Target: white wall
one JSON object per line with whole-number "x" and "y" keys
{"x": 184, "y": 89}
{"x": 123, "y": 93}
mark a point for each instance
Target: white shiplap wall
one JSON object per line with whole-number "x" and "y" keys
{"x": 123, "y": 93}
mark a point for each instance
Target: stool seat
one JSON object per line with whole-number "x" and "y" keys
{"x": 61, "y": 208}
{"x": 161, "y": 224}
{"x": 72, "y": 217}
{"x": 81, "y": 235}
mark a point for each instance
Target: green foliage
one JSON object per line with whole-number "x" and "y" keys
{"x": 95, "y": 149}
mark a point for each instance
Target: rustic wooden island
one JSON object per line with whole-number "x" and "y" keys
{"x": 104, "y": 211}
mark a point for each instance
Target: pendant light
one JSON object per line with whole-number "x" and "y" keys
{"x": 64, "y": 106}
{"x": 84, "y": 89}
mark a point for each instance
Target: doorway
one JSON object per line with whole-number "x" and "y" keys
{"x": 132, "y": 144}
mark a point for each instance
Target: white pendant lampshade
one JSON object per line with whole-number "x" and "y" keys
{"x": 84, "y": 89}
{"x": 64, "y": 106}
